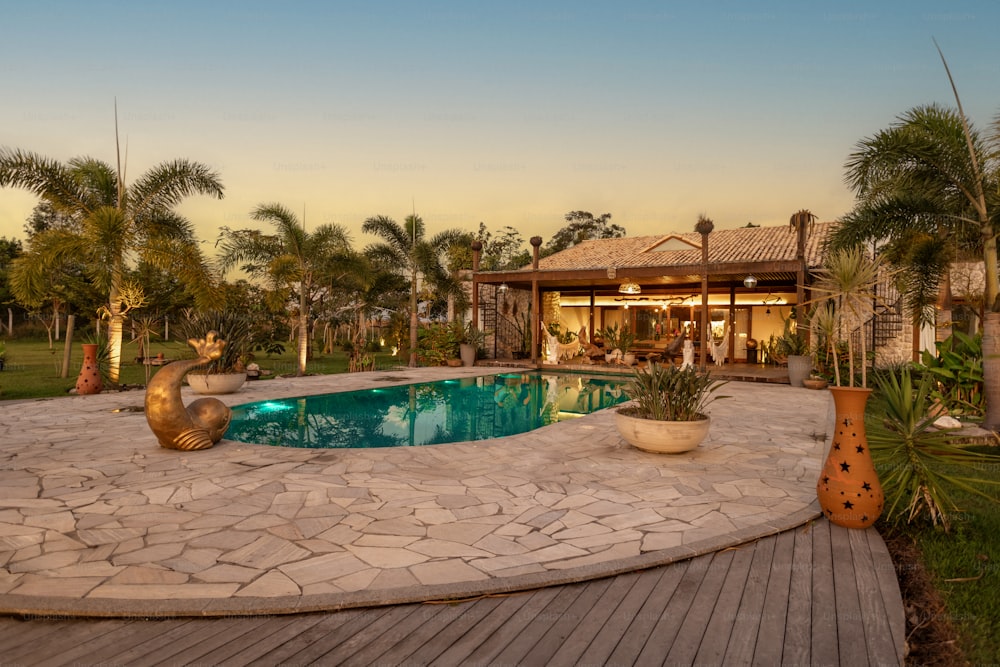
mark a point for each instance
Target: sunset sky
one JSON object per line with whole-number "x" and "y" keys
{"x": 507, "y": 113}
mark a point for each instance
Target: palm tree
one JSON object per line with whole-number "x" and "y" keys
{"x": 405, "y": 246}
{"x": 290, "y": 259}
{"x": 117, "y": 224}
{"x": 801, "y": 223}
{"x": 933, "y": 174}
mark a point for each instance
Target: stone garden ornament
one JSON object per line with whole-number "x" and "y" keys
{"x": 202, "y": 423}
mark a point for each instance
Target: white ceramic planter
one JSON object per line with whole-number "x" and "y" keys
{"x": 661, "y": 437}
{"x": 216, "y": 383}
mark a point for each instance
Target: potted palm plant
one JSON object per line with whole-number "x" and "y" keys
{"x": 471, "y": 340}
{"x": 226, "y": 374}
{"x": 620, "y": 339}
{"x": 667, "y": 411}
{"x": 795, "y": 348}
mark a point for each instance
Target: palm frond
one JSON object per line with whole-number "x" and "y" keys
{"x": 164, "y": 186}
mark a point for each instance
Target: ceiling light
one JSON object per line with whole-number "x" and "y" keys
{"x": 750, "y": 282}
{"x": 629, "y": 287}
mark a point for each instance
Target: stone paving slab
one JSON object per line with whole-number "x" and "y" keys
{"x": 97, "y": 519}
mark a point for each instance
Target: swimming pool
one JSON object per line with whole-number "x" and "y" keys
{"x": 429, "y": 413}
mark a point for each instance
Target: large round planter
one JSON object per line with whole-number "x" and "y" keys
{"x": 848, "y": 488}
{"x": 216, "y": 383}
{"x": 799, "y": 367}
{"x": 661, "y": 437}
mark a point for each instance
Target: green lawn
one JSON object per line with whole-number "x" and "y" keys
{"x": 32, "y": 369}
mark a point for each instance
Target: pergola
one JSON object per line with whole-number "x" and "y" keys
{"x": 744, "y": 267}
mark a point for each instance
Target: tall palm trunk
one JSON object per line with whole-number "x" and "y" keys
{"x": 991, "y": 370}
{"x": 303, "y": 330}
{"x": 115, "y": 326}
{"x": 414, "y": 322}
{"x": 991, "y": 340}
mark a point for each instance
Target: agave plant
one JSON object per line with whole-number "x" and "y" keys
{"x": 234, "y": 328}
{"x": 914, "y": 459}
{"x": 664, "y": 392}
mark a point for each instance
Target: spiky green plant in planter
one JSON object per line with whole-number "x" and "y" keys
{"x": 664, "y": 392}
{"x": 667, "y": 415}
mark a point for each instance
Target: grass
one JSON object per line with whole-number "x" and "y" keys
{"x": 965, "y": 569}
{"x": 963, "y": 564}
{"x": 32, "y": 370}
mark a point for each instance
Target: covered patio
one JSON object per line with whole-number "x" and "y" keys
{"x": 728, "y": 294}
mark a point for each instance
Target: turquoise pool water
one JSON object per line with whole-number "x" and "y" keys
{"x": 429, "y": 413}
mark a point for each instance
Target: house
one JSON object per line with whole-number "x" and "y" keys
{"x": 756, "y": 276}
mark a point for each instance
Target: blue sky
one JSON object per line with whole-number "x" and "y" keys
{"x": 509, "y": 114}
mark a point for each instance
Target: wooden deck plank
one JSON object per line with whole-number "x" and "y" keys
{"x": 667, "y": 626}
{"x": 638, "y": 632}
{"x": 371, "y": 652}
{"x": 17, "y": 632}
{"x": 608, "y": 637}
{"x": 135, "y": 639}
{"x": 691, "y": 635}
{"x": 553, "y": 624}
{"x": 771, "y": 633}
{"x": 743, "y": 639}
{"x": 489, "y": 637}
{"x": 719, "y": 629}
{"x": 348, "y": 645}
{"x": 252, "y": 645}
{"x": 441, "y": 625}
{"x": 850, "y": 629}
{"x": 206, "y": 637}
{"x": 888, "y": 584}
{"x": 519, "y": 645}
{"x": 874, "y": 617}
{"x": 265, "y": 644}
{"x": 70, "y": 635}
{"x": 564, "y": 627}
{"x": 331, "y": 630}
{"x": 824, "y": 598}
{"x": 798, "y": 621}
{"x": 604, "y": 609}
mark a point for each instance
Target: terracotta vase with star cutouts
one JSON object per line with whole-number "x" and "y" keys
{"x": 848, "y": 488}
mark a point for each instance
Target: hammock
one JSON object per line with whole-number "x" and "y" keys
{"x": 720, "y": 349}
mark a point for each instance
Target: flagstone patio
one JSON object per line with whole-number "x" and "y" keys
{"x": 97, "y": 519}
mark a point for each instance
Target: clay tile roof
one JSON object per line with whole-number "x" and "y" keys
{"x": 744, "y": 244}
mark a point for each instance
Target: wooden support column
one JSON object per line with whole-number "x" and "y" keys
{"x": 536, "y": 301}
{"x": 704, "y": 226}
{"x": 477, "y": 248}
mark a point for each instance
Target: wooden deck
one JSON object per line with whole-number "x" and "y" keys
{"x": 816, "y": 595}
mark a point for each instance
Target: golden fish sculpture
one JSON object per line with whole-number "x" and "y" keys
{"x": 202, "y": 423}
